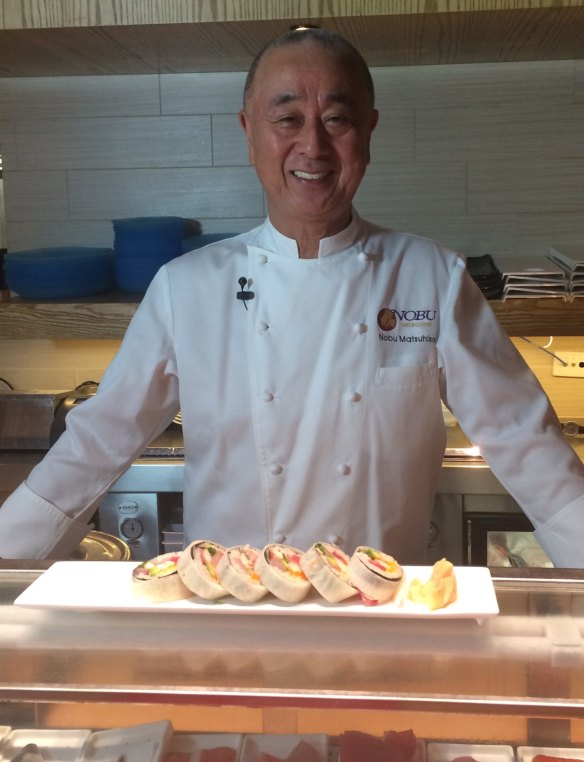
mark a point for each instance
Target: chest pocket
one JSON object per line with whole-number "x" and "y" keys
{"x": 404, "y": 411}
{"x": 414, "y": 378}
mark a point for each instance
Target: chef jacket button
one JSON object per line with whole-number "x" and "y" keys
{"x": 354, "y": 397}
{"x": 276, "y": 469}
{"x": 364, "y": 257}
{"x": 279, "y": 537}
{"x": 360, "y": 327}
{"x": 263, "y": 327}
{"x": 343, "y": 469}
{"x": 267, "y": 396}
{"x": 262, "y": 259}
{"x": 335, "y": 539}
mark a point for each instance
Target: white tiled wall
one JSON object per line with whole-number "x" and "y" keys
{"x": 485, "y": 157}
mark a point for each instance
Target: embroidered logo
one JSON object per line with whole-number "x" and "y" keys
{"x": 386, "y": 319}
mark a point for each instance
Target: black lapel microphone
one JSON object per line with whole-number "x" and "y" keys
{"x": 244, "y": 295}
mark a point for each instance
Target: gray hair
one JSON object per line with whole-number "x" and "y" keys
{"x": 324, "y": 39}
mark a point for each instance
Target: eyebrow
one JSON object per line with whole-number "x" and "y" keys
{"x": 281, "y": 99}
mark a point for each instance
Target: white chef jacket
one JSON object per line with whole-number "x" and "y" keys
{"x": 312, "y": 411}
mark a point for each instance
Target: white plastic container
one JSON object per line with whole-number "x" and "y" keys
{"x": 4, "y": 731}
{"x": 193, "y": 744}
{"x": 527, "y": 753}
{"x": 54, "y": 745}
{"x": 282, "y": 746}
{"x": 146, "y": 742}
{"x": 446, "y": 752}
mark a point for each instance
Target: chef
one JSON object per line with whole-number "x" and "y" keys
{"x": 309, "y": 358}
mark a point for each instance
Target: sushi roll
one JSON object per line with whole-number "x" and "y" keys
{"x": 376, "y": 575}
{"x": 327, "y": 568}
{"x": 279, "y": 569}
{"x": 158, "y": 579}
{"x": 197, "y": 567}
{"x": 237, "y": 574}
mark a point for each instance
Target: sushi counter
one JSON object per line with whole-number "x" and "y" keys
{"x": 512, "y": 674}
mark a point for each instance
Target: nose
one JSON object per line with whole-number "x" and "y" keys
{"x": 313, "y": 138}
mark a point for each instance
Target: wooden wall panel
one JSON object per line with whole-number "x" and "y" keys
{"x": 548, "y": 185}
{"x": 115, "y": 143}
{"x": 112, "y": 194}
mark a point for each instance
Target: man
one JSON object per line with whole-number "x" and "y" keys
{"x": 311, "y": 407}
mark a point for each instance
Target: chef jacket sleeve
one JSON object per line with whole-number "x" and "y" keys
{"x": 46, "y": 517}
{"x": 505, "y": 412}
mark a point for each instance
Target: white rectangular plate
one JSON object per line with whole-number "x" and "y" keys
{"x": 107, "y": 586}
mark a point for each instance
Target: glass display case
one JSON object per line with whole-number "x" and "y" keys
{"x": 516, "y": 677}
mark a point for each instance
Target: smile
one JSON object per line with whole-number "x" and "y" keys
{"x": 309, "y": 175}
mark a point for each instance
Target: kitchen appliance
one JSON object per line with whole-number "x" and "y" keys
{"x": 140, "y": 505}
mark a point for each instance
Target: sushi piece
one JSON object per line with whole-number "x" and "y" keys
{"x": 439, "y": 590}
{"x": 197, "y": 567}
{"x": 376, "y": 575}
{"x": 158, "y": 579}
{"x": 327, "y": 568}
{"x": 280, "y": 571}
{"x": 237, "y": 574}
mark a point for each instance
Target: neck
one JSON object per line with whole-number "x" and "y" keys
{"x": 309, "y": 236}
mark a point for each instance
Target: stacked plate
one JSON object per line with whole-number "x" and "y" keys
{"x": 571, "y": 260}
{"x": 532, "y": 277}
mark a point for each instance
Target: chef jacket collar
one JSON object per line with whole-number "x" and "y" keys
{"x": 281, "y": 244}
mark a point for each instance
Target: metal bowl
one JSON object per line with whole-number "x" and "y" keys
{"x": 100, "y": 546}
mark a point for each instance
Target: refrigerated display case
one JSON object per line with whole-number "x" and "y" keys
{"x": 516, "y": 678}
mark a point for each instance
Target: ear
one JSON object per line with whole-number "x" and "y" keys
{"x": 372, "y": 125}
{"x": 245, "y": 123}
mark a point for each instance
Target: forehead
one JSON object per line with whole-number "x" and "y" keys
{"x": 303, "y": 69}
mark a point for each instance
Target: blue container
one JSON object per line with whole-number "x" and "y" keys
{"x": 197, "y": 241}
{"x": 134, "y": 274}
{"x": 142, "y": 245}
{"x": 60, "y": 272}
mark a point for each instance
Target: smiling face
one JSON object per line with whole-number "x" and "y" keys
{"x": 308, "y": 120}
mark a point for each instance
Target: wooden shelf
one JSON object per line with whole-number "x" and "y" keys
{"x": 141, "y": 37}
{"x": 540, "y": 317}
{"x": 108, "y": 316}
{"x": 102, "y": 317}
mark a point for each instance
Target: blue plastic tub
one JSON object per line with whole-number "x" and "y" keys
{"x": 142, "y": 245}
{"x": 198, "y": 241}
{"x": 60, "y": 272}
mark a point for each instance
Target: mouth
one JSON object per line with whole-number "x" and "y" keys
{"x": 309, "y": 175}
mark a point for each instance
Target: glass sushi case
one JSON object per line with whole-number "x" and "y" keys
{"x": 498, "y": 679}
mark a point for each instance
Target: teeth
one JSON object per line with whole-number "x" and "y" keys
{"x": 309, "y": 175}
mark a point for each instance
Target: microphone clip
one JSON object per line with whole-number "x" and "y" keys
{"x": 243, "y": 295}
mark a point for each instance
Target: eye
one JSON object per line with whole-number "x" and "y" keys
{"x": 337, "y": 122}
{"x": 287, "y": 120}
